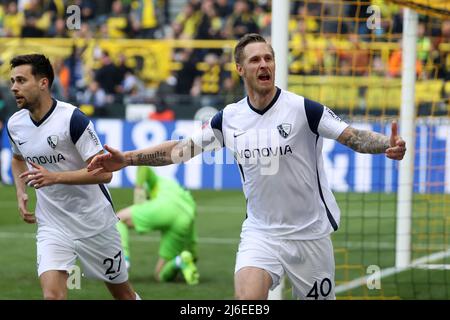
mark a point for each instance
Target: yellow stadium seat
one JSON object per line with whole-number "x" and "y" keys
{"x": 428, "y": 91}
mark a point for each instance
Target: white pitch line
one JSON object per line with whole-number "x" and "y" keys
{"x": 385, "y": 245}
{"x": 392, "y": 270}
{"x": 15, "y": 235}
{"x": 433, "y": 266}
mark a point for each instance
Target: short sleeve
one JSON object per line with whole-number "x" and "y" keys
{"x": 322, "y": 121}
{"x": 330, "y": 125}
{"x": 84, "y": 136}
{"x": 14, "y": 147}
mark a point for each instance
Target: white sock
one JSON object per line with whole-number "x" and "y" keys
{"x": 137, "y": 296}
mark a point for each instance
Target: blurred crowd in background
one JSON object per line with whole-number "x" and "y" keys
{"x": 326, "y": 38}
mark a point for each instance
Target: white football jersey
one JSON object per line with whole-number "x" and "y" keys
{"x": 279, "y": 154}
{"x": 62, "y": 141}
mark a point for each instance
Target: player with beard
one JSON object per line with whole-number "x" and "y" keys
{"x": 52, "y": 142}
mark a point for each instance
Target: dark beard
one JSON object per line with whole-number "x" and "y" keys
{"x": 27, "y": 106}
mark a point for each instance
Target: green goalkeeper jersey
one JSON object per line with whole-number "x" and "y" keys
{"x": 161, "y": 187}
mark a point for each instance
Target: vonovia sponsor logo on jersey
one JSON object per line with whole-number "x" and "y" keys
{"x": 265, "y": 152}
{"x": 47, "y": 159}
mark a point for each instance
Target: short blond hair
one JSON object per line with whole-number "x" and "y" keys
{"x": 244, "y": 41}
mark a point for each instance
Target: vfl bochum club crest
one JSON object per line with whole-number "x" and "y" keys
{"x": 52, "y": 141}
{"x": 284, "y": 129}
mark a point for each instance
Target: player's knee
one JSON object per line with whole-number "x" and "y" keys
{"x": 250, "y": 295}
{"x": 124, "y": 295}
{"x": 54, "y": 295}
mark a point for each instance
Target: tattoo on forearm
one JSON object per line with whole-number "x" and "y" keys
{"x": 366, "y": 141}
{"x": 157, "y": 158}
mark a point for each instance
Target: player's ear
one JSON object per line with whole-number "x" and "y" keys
{"x": 43, "y": 83}
{"x": 239, "y": 69}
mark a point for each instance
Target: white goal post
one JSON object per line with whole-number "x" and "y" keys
{"x": 407, "y": 128}
{"x": 280, "y": 44}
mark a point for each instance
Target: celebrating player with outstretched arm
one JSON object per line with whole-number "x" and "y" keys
{"x": 277, "y": 138}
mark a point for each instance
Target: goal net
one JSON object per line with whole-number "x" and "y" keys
{"x": 348, "y": 55}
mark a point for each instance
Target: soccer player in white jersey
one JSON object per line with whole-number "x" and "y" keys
{"x": 51, "y": 142}
{"x": 277, "y": 138}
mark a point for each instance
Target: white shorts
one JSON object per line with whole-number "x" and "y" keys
{"x": 309, "y": 264}
{"x": 101, "y": 256}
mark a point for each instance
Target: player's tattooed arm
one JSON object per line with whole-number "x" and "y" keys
{"x": 157, "y": 158}
{"x": 394, "y": 147}
{"x": 169, "y": 152}
{"x": 364, "y": 141}
{"x": 166, "y": 153}
{"x": 154, "y": 156}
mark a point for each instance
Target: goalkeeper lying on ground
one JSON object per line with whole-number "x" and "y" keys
{"x": 162, "y": 204}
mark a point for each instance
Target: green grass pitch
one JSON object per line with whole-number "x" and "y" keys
{"x": 366, "y": 238}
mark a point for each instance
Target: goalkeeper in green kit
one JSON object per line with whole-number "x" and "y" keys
{"x": 162, "y": 204}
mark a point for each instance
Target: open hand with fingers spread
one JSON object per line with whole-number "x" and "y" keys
{"x": 38, "y": 177}
{"x": 108, "y": 162}
{"x": 398, "y": 145}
